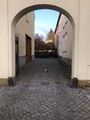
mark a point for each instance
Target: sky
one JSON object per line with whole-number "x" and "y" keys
{"x": 45, "y": 20}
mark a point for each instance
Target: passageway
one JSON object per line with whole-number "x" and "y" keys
{"x": 42, "y": 93}
{"x": 46, "y": 70}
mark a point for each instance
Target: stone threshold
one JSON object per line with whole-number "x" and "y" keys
{"x": 7, "y": 81}
{"x": 84, "y": 83}
{"x": 3, "y": 81}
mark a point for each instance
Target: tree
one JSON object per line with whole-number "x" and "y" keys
{"x": 50, "y": 39}
{"x": 50, "y": 35}
{"x": 39, "y": 43}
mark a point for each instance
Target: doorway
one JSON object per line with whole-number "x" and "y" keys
{"x": 28, "y": 49}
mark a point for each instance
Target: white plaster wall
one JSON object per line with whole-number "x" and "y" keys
{"x": 65, "y": 41}
{"x": 22, "y": 28}
{"x": 78, "y": 9}
{"x": 3, "y": 39}
{"x": 89, "y": 45}
{"x": 84, "y": 41}
{"x": 71, "y": 6}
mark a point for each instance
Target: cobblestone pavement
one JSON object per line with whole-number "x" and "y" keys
{"x": 40, "y": 95}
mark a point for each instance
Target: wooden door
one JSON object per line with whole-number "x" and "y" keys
{"x": 28, "y": 48}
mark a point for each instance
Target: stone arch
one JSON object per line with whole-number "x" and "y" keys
{"x": 27, "y": 10}
{"x": 42, "y": 6}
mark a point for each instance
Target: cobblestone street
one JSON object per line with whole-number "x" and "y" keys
{"x": 44, "y": 95}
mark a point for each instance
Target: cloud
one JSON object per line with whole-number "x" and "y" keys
{"x": 44, "y": 30}
{"x": 42, "y": 27}
{"x": 41, "y": 30}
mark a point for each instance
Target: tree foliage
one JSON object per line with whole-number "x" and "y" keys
{"x": 39, "y": 43}
{"x": 50, "y": 35}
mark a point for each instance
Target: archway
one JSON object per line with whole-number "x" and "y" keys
{"x": 29, "y": 9}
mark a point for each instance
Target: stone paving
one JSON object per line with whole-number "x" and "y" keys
{"x": 40, "y": 95}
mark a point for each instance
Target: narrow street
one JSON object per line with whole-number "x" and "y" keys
{"x": 42, "y": 93}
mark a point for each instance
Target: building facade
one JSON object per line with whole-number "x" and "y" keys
{"x": 64, "y": 38}
{"x": 24, "y": 31}
{"x": 77, "y": 11}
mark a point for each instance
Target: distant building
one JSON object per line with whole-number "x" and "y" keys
{"x": 48, "y": 41}
{"x": 50, "y": 37}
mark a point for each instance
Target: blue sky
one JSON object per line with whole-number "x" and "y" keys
{"x": 45, "y": 19}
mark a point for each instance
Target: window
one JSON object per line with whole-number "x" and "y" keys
{"x": 66, "y": 22}
{"x": 63, "y": 26}
{"x": 65, "y": 34}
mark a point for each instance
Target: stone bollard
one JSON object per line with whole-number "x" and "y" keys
{"x": 74, "y": 83}
{"x": 10, "y": 81}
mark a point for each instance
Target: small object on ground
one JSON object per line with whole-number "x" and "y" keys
{"x": 46, "y": 70}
